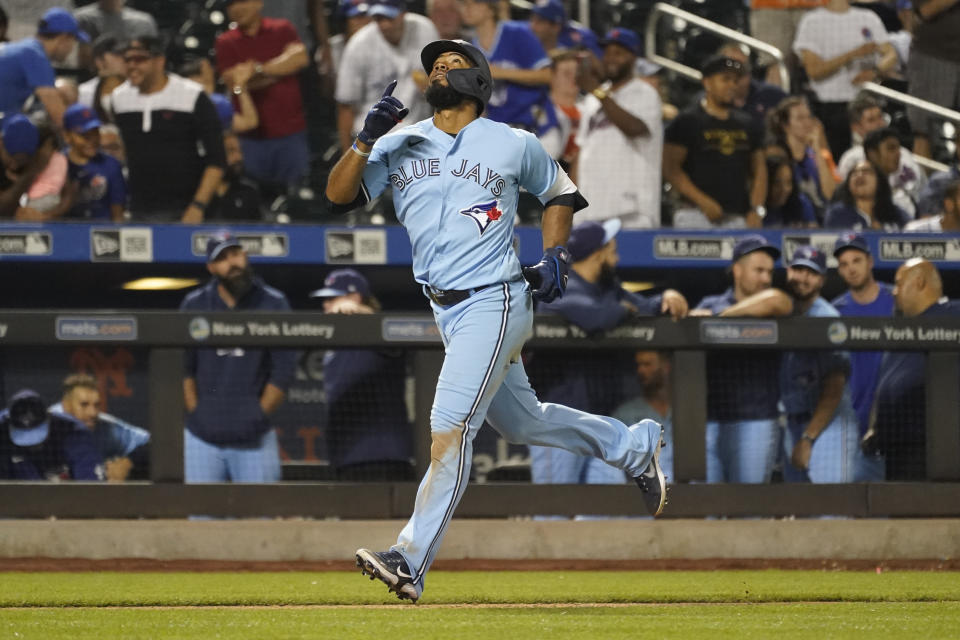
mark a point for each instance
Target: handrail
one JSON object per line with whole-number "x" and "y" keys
{"x": 932, "y": 165}
{"x": 899, "y": 96}
{"x": 662, "y": 8}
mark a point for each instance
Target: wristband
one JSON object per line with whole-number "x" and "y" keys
{"x": 600, "y": 94}
{"x": 199, "y": 205}
{"x": 356, "y": 150}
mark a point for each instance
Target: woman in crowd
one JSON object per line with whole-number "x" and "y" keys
{"x": 799, "y": 137}
{"x": 865, "y": 202}
{"x": 786, "y": 206}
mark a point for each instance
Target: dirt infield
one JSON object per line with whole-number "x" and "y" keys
{"x": 708, "y": 564}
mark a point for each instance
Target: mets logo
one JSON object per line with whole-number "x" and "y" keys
{"x": 484, "y": 213}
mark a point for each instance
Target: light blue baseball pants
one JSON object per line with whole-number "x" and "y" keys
{"x": 482, "y": 377}
{"x": 205, "y": 462}
{"x": 833, "y": 457}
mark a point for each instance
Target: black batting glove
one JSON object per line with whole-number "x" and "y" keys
{"x": 548, "y": 278}
{"x": 382, "y": 116}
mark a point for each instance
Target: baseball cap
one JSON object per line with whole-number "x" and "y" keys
{"x": 719, "y": 64}
{"x": 57, "y": 20}
{"x": 551, "y": 10}
{"x": 354, "y": 8}
{"x": 79, "y": 118}
{"x": 341, "y": 282}
{"x": 850, "y": 240}
{"x": 624, "y": 37}
{"x": 218, "y": 242}
{"x": 224, "y": 110}
{"x": 387, "y": 8}
{"x": 754, "y": 242}
{"x": 588, "y": 237}
{"x": 19, "y": 134}
{"x": 149, "y": 45}
{"x": 28, "y": 418}
{"x": 809, "y": 257}
{"x": 107, "y": 44}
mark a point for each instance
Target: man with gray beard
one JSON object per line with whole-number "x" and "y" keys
{"x": 229, "y": 393}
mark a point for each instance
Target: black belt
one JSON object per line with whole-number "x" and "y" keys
{"x": 450, "y": 297}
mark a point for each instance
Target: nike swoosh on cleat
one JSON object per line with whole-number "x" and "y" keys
{"x": 401, "y": 573}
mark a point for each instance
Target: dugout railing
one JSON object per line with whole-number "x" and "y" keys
{"x": 167, "y": 334}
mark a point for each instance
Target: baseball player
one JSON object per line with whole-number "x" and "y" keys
{"x": 821, "y": 439}
{"x": 456, "y": 179}
{"x": 36, "y": 444}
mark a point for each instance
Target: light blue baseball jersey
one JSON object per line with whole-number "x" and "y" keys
{"x": 457, "y": 196}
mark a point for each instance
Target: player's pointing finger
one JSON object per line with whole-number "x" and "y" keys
{"x": 389, "y": 90}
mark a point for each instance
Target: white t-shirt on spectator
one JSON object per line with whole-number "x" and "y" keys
{"x": 370, "y": 63}
{"x": 932, "y": 224}
{"x": 829, "y": 34}
{"x": 620, "y": 176}
{"x": 906, "y": 183}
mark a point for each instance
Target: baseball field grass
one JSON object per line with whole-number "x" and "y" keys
{"x": 500, "y": 605}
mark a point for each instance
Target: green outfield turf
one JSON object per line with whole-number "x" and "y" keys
{"x": 490, "y": 605}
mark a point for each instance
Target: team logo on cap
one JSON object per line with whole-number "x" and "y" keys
{"x": 484, "y": 214}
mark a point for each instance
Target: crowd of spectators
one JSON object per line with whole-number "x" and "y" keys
{"x": 598, "y": 106}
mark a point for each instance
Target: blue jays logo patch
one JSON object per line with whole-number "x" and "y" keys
{"x": 484, "y": 213}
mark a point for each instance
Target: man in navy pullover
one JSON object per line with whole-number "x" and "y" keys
{"x": 230, "y": 393}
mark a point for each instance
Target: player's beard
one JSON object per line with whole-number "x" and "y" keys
{"x": 802, "y": 296}
{"x": 441, "y": 96}
{"x": 238, "y": 283}
{"x": 608, "y": 277}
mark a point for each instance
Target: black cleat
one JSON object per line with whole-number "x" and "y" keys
{"x": 653, "y": 483}
{"x": 390, "y": 568}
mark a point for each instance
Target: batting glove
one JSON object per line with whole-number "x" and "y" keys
{"x": 382, "y": 116}
{"x": 549, "y": 276}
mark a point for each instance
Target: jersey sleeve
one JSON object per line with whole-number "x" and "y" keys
{"x": 116, "y": 185}
{"x": 288, "y": 33}
{"x": 37, "y": 69}
{"x": 376, "y": 176}
{"x": 806, "y": 39}
{"x": 540, "y": 174}
{"x": 82, "y": 456}
{"x": 526, "y": 50}
{"x": 209, "y": 131}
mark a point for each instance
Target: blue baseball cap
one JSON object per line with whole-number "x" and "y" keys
{"x": 19, "y": 134}
{"x": 626, "y": 38}
{"x": 850, "y": 240}
{"x": 387, "y": 8}
{"x": 342, "y": 282}
{"x": 354, "y": 8}
{"x": 79, "y": 118}
{"x": 551, "y": 10}
{"x": 218, "y": 243}
{"x": 809, "y": 257}
{"x": 28, "y": 418}
{"x": 56, "y": 21}
{"x": 588, "y": 237}
{"x": 224, "y": 110}
{"x": 754, "y": 242}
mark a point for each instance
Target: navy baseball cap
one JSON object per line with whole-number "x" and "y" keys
{"x": 719, "y": 64}
{"x": 56, "y": 21}
{"x": 218, "y": 243}
{"x": 551, "y": 10}
{"x": 149, "y": 45}
{"x": 19, "y": 134}
{"x": 588, "y": 237}
{"x": 354, "y": 8}
{"x": 850, "y": 240}
{"x": 754, "y": 242}
{"x": 626, "y": 38}
{"x": 342, "y": 282}
{"x": 107, "y": 44}
{"x": 79, "y": 118}
{"x": 28, "y": 418}
{"x": 387, "y": 8}
{"x": 809, "y": 257}
{"x": 224, "y": 110}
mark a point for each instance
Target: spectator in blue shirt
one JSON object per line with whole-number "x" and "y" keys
{"x": 899, "y": 428}
{"x": 124, "y": 448}
{"x": 230, "y": 393}
{"x": 101, "y": 187}
{"x": 26, "y": 69}
{"x": 548, "y": 21}
{"x": 865, "y": 202}
{"x": 521, "y": 73}
{"x": 864, "y": 298}
{"x": 368, "y": 435}
{"x": 742, "y": 388}
{"x": 36, "y": 444}
{"x": 594, "y": 301}
{"x": 821, "y": 439}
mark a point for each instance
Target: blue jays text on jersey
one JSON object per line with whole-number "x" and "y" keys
{"x": 457, "y": 196}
